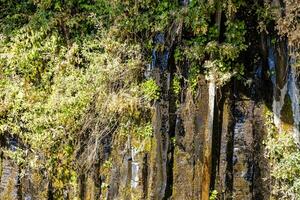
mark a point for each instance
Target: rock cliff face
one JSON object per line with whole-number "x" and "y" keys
{"x": 214, "y": 139}
{"x": 203, "y": 140}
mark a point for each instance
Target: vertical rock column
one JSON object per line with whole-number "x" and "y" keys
{"x": 237, "y": 165}
{"x": 160, "y": 147}
{"x": 208, "y": 135}
{"x": 261, "y": 174}
{"x": 158, "y": 173}
{"x": 121, "y": 172}
{"x": 192, "y": 157}
{"x": 223, "y": 182}
{"x": 243, "y": 149}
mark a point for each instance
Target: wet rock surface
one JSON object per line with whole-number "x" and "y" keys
{"x": 209, "y": 138}
{"x": 9, "y": 180}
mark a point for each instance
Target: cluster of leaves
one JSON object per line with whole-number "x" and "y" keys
{"x": 285, "y": 17}
{"x": 289, "y": 24}
{"x": 213, "y": 195}
{"x": 150, "y": 90}
{"x": 284, "y": 155}
{"x": 207, "y": 49}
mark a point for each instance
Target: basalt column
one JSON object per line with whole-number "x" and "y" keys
{"x": 161, "y": 120}
{"x": 192, "y": 157}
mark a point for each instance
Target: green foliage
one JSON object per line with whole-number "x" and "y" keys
{"x": 213, "y": 195}
{"x": 176, "y": 85}
{"x": 235, "y": 35}
{"x": 107, "y": 164}
{"x": 265, "y": 16}
{"x": 56, "y": 66}
{"x": 223, "y": 57}
{"x": 150, "y": 90}
{"x": 281, "y": 20}
{"x": 145, "y": 131}
{"x": 284, "y": 155}
{"x": 193, "y": 78}
{"x": 173, "y": 141}
{"x": 140, "y": 130}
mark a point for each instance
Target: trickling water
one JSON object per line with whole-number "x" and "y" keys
{"x": 271, "y": 62}
{"x": 286, "y": 92}
{"x": 243, "y": 143}
{"x": 212, "y": 94}
{"x": 277, "y": 106}
{"x": 277, "y": 103}
{"x": 208, "y": 138}
{"x": 135, "y": 169}
{"x": 291, "y": 88}
{"x": 293, "y": 91}
{"x": 160, "y": 58}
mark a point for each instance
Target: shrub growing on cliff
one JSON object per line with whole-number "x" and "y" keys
{"x": 64, "y": 75}
{"x": 284, "y": 155}
{"x": 150, "y": 90}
